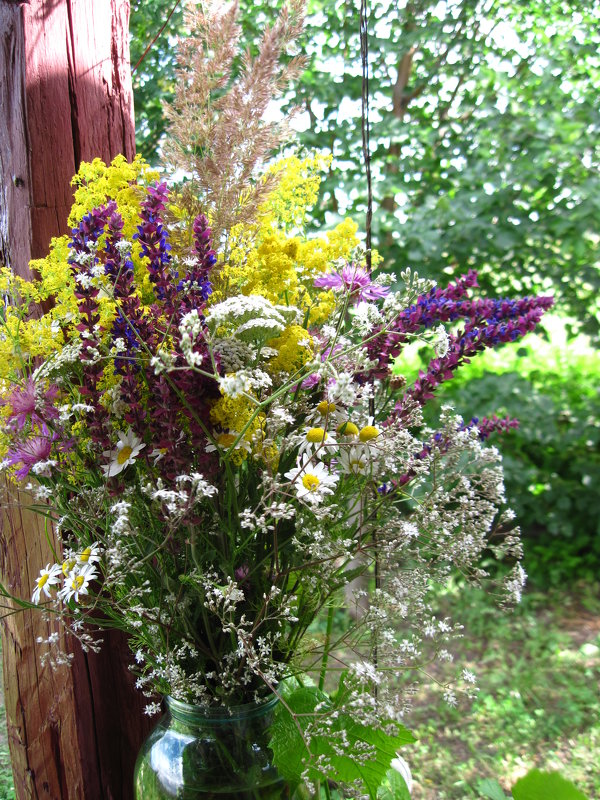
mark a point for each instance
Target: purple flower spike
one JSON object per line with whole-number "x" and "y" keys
{"x": 207, "y": 257}
{"x": 153, "y": 239}
{"x": 355, "y": 280}
{"x": 506, "y": 321}
{"x": 195, "y": 288}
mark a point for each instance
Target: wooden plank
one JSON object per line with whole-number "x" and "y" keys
{"x": 65, "y": 96}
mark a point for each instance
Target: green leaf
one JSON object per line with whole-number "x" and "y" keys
{"x": 293, "y": 753}
{"x": 491, "y": 789}
{"x": 393, "y": 787}
{"x": 538, "y": 785}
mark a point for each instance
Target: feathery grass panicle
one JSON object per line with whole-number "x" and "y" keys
{"x": 218, "y": 133}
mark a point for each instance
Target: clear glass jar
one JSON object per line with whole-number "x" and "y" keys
{"x": 204, "y": 753}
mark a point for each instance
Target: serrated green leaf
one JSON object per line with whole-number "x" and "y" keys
{"x": 292, "y": 754}
{"x": 491, "y": 789}
{"x": 537, "y": 785}
{"x": 393, "y": 787}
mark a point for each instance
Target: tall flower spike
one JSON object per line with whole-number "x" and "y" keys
{"x": 196, "y": 287}
{"x": 438, "y": 305}
{"x": 515, "y": 319}
{"x": 154, "y": 242}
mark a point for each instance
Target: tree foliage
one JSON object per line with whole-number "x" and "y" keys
{"x": 484, "y": 132}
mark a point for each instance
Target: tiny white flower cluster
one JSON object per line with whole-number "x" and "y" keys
{"x": 190, "y": 329}
{"x": 238, "y": 384}
{"x": 250, "y": 318}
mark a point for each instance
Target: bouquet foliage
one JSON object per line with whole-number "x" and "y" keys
{"x": 210, "y": 410}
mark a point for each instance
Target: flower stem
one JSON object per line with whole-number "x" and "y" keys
{"x": 330, "y": 612}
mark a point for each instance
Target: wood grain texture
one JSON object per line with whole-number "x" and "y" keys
{"x": 65, "y": 96}
{"x": 15, "y": 225}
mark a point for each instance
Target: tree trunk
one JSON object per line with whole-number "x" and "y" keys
{"x": 65, "y": 96}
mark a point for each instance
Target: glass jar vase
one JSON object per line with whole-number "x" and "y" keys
{"x": 202, "y": 753}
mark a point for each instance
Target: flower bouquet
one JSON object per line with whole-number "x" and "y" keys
{"x": 213, "y": 412}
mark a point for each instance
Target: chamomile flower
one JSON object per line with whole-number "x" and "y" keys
{"x": 316, "y": 440}
{"x": 48, "y": 577}
{"x": 327, "y": 414}
{"x": 355, "y": 460}
{"x": 89, "y": 555}
{"x": 312, "y": 481}
{"x": 127, "y": 450}
{"x": 347, "y": 429}
{"x": 77, "y": 582}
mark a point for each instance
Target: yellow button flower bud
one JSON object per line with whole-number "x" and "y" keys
{"x": 347, "y": 429}
{"x": 368, "y": 433}
{"x": 316, "y": 435}
{"x": 324, "y": 408}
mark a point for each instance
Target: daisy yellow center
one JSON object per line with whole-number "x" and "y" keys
{"x": 77, "y": 582}
{"x": 42, "y": 581}
{"x": 367, "y": 433}
{"x": 85, "y": 556}
{"x": 68, "y": 565}
{"x": 315, "y": 435}
{"x": 347, "y": 429}
{"x": 310, "y": 482}
{"x": 124, "y": 454}
{"x": 356, "y": 462}
{"x": 324, "y": 408}
{"x": 226, "y": 439}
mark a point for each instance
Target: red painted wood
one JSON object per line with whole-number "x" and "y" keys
{"x": 65, "y": 96}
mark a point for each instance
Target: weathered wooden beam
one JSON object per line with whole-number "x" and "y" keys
{"x": 65, "y": 96}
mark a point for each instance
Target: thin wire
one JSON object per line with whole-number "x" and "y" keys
{"x": 164, "y": 25}
{"x": 364, "y": 55}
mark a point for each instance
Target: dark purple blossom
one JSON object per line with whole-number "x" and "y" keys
{"x": 503, "y": 321}
{"x": 195, "y": 287}
{"x": 154, "y": 242}
{"x": 438, "y": 305}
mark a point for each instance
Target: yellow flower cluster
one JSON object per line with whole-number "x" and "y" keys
{"x": 233, "y": 414}
{"x": 95, "y": 183}
{"x": 294, "y": 347}
{"x": 296, "y": 192}
{"x": 265, "y": 259}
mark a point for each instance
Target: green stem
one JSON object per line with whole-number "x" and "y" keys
{"x": 330, "y": 612}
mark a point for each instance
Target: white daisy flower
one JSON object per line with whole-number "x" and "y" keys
{"x": 48, "y": 577}
{"x": 328, "y": 413}
{"x": 316, "y": 440}
{"x": 90, "y": 555}
{"x": 312, "y": 481}
{"x": 355, "y": 460}
{"x": 77, "y": 582}
{"x": 128, "y": 449}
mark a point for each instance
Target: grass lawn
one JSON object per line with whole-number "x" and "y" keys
{"x": 539, "y": 701}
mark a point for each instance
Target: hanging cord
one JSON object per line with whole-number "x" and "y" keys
{"x": 364, "y": 55}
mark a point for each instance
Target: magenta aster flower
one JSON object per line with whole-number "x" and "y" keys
{"x": 29, "y": 453}
{"x": 355, "y": 280}
{"x": 30, "y": 401}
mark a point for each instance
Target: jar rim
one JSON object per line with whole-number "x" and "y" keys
{"x": 220, "y": 714}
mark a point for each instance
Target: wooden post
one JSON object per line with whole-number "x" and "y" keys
{"x": 65, "y": 97}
